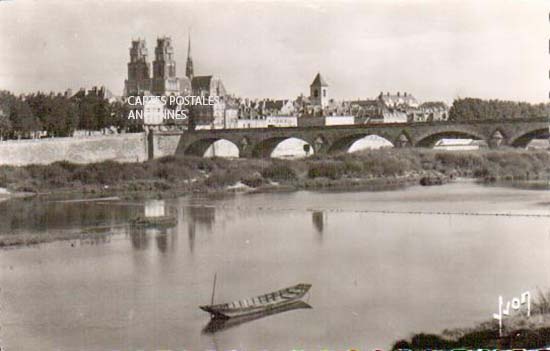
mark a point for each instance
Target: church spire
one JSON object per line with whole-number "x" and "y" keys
{"x": 189, "y": 44}
{"x": 189, "y": 67}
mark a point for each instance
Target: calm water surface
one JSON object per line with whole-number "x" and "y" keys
{"x": 383, "y": 265}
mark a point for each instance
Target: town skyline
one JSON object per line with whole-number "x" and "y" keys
{"x": 419, "y": 47}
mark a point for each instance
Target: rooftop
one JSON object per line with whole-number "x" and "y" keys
{"x": 319, "y": 81}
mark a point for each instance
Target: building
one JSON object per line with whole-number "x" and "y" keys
{"x": 208, "y": 115}
{"x": 319, "y": 92}
{"x": 164, "y": 80}
{"x": 367, "y": 111}
{"x": 434, "y": 111}
{"x": 325, "y": 121}
{"x": 339, "y": 120}
{"x": 398, "y": 100}
{"x": 207, "y": 86}
{"x": 251, "y": 123}
{"x": 287, "y": 108}
{"x": 153, "y": 112}
{"x": 398, "y": 108}
{"x": 189, "y": 71}
{"x": 139, "y": 76}
{"x": 276, "y": 107}
{"x": 231, "y": 115}
{"x": 394, "y": 116}
{"x": 281, "y": 121}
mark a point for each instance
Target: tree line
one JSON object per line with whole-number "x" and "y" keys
{"x": 470, "y": 109}
{"x": 60, "y": 115}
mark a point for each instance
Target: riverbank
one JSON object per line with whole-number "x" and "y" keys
{"x": 172, "y": 176}
{"x": 370, "y": 170}
{"x": 520, "y": 332}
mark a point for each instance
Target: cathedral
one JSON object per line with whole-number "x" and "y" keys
{"x": 164, "y": 80}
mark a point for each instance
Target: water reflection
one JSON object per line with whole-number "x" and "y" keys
{"x": 191, "y": 235}
{"x": 204, "y": 216}
{"x": 140, "y": 238}
{"x": 220, "y": 324}
{"x": 318, "y": 219}
{"x": 166, "y": 240}
{"x": 198, "y": 218}
{"x": 99, "y": 235}
{"x": 36, "y": 215}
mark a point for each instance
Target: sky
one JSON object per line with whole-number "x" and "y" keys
{"x": 433, "y": 49}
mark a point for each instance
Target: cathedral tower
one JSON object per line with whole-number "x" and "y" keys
{"x": 139, "y": 78}
{"x": 164, "y": 69}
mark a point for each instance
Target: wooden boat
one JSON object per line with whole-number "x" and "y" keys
{"x": 263, "y": 303}
{"x": 219, "y": 324}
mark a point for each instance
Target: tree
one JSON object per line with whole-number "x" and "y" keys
{"x": 119, "y": 115}
{"x": 5, "y": 125}
{"x": 87, "y": 115}
{"x": 23, "y": 119}
{"x": 468, "y": 109}
{"x": 62, "y": 117}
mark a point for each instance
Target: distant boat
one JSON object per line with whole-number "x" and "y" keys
{"x": 259, "y": 304}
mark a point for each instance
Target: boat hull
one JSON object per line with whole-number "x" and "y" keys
{"x": 219, "y": 324}
{"x": 263, "y": 303}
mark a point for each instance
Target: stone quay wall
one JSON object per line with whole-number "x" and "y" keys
{"x": 130, "y": 147}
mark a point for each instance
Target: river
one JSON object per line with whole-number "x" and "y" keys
{"x": 382, "y": 265}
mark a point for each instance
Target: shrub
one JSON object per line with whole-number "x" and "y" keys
{"x": 66, "y": 165}
{"x": 353, "y": 168}
{"x": 541, "y": 305}
{"x": 253, "y": 181}
{"x": 279, "y": 173}
{"x": 53, "y": 174}
{"x": 221, "y": 178}
{"x": 431, "y": 341}
{"x": 10, "y": 175}
{"x": 167, "y": 159}
{"x": 172, "y": 171}
{"x": 107, "y": 172}
{"x": 332, "y": 170}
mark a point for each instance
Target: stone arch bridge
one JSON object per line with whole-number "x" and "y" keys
{"x": 260, "y": 142}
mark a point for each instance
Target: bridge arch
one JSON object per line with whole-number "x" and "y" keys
{"x": 345, "y": 143}
{"x": 430, "y": 139}
{"x": 524, "y": 139}
{"x": 265, "y": 148}
{"x": 200, "y": 147}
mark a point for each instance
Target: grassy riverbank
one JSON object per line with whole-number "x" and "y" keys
{"x": 520, "y": 332}
{"x": 374, "y": 169}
